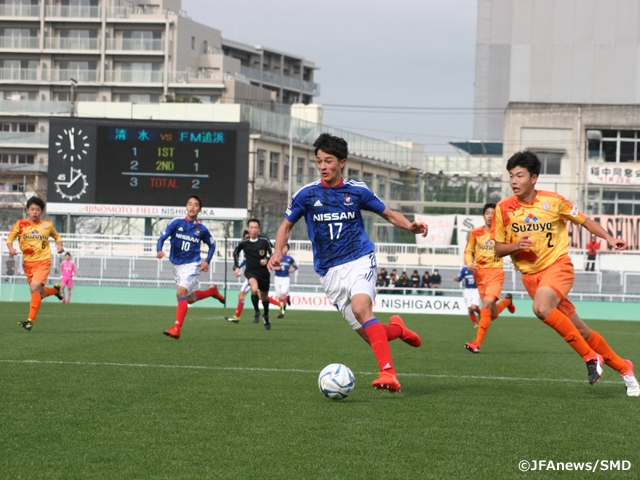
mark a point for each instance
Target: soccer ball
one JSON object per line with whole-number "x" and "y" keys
{"x": 336, "y": 381}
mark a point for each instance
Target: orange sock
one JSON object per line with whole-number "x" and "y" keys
{"x": 561, "y": 324}
{"x": 48, "y": 291}
{"x": 502, "y": 304}
{"x": 239, "y": 309}
{"x": 600, "y": 345}
{"x": 485, "y": 323}
{"x": 392, "y": 331}
{"x": 34, "y": 306}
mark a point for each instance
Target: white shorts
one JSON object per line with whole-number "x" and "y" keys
{"x": 245, "y": 288}
{"x": 342, "y": 282}
{"x": 471, "y": 297}
{"x": 282, "y": 285}
{"x": 186, "y": 276}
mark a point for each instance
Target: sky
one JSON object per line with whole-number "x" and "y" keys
{"x": 406, "y": 53}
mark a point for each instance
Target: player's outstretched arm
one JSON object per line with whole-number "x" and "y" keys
{"x": 399, "y": 220}
{"x": 595, "y": 228}
{"x": 504, "y": 249}
{"x": 282, "y": 237}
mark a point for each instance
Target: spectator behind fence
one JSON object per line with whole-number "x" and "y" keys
{"x": 381, "y": 283}
{"x": 392, "y": 280}
{"x": 403, "y": 282}
{"x": 426, "y": 282}
{"x": 414, "y": 281}
{"x": 385, "y": 275}
{"x": 436, "y": 281}
{"x": 592, "y": 250}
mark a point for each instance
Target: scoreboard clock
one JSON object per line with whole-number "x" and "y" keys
{"x": 147, "y": 162}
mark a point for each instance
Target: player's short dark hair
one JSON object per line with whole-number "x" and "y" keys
{"x": 253, "y": 220}
{"x": 67, "y": 253}
{"x": 197, "y": 198}
{"x": 528, "y": 160}
{"x": 286, "y": 245}
{"x": 245, "y": 233}
{"x": 332, "y": 145}
{"x": 487, "y": 206}
{"x": 36, "y": 201}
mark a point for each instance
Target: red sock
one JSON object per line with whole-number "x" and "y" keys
{"x": 34, "y": 306}
{"x": 274, "y": 301}
{"x": 379, "y": 345}
{"x": 200, "y": 294}
{"x": 48, "y": 291}
{"x": 239, "y": 309}
{"x": 392, "y": 331}
{"x": 472, "y": 315}
{"x": 181, "y": 311}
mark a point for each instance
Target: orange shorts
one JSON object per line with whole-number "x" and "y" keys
{"x": 559, "y": 277}
{"x": 489, "y": 282}
{"x": 38, "y": 271}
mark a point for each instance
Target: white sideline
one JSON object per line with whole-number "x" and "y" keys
{"x": 292, "y": 370}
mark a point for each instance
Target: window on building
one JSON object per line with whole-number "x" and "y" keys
{"x": 11, "y": 187}
{"x": 139, "y": 97}
{"x": 382, "y": 186}
{"x": 300, "y": 171}
{"x": 18, "y": 158}
{"x": 285, "y": 169}
{"x": 353, "y": 174}
{"x": 18, "y": 127}
{"x": 312, "y": 171}
{"x": 368, "y": 179}
{"x": 274, "y": 165}
{"x": 617, "y": 146}
{"x": 262, "y": 158}
{"x": 193, "y": 43}
{"x": 605, "y": 201}
{"x": 18, "y": 95}
{"x": 551, "y": 163}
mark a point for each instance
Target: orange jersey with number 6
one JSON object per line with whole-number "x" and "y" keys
{"x": 33, "y": 238}
{"x": 543, "y": 220}
{"x": 481, "y": 250}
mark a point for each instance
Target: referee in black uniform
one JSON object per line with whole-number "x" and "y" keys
{"x": 257, "y": 251}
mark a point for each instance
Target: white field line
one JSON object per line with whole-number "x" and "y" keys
{"x": 291, "y": 370}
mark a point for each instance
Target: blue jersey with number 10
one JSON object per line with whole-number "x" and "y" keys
{"x": 334, "y": 221}
{"x": 186, "y": 236}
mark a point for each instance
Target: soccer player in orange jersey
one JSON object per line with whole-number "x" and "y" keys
{"x": 480, "y": 258}
{"x": 33, "y": 236}
{"x": 530, "y": 226}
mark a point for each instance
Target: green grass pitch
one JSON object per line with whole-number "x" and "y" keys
{"x": 99, "y": 392}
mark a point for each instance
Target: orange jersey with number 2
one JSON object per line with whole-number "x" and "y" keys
{"x": 33, "y": 238}
{"x": 544, "y": 221}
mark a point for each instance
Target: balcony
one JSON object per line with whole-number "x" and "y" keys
{"x": 84, "y": 44}
{"x": 78, "y": 74}
{"x": 19, "y": 43}
{"x": 24, "y": 140}
{"x": 19, "y": 10}
{"x": 20, "y": 74}
{"x": 72, "y": 12}
{"x": 136, "y": 45}
{"x": 134, "y": 76}
{"x": 292, "y": 83}
{"x": 27, "y": 107}
{"x": 204, "y": 79}
{"x": 136, "y": 12}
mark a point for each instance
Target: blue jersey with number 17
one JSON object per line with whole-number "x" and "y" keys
{"x": 334, "y": 221}
{"x": 186, "y": 236}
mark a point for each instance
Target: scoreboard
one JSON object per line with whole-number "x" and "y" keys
{"x": 114, "y": 162}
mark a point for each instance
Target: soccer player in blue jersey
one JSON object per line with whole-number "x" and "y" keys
{"x": 342, "y": 252}
{"x": 471, "y": 295}
{"x": 282, "y": 280}
{"x": 186, "y": 235}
